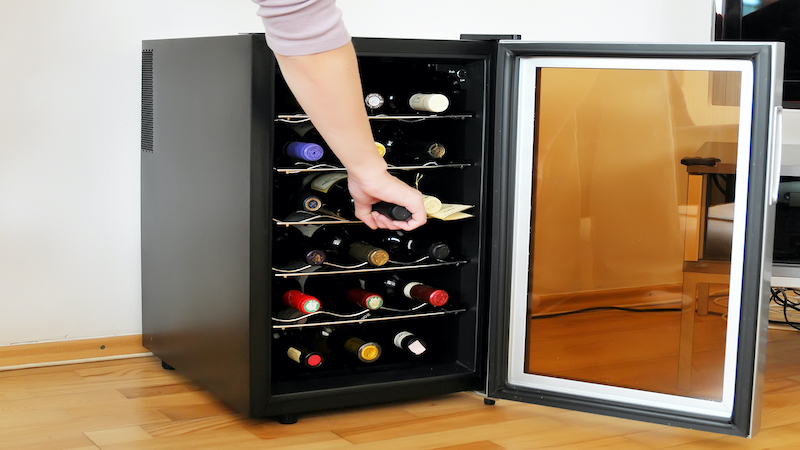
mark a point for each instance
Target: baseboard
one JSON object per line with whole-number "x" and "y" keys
{"x": 50, "y": 353}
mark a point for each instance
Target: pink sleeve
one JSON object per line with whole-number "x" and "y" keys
{"x": 302, "y": 27}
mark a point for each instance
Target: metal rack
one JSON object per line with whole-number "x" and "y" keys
{"x": 381, "y": 315}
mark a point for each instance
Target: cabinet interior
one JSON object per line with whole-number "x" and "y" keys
{"x": 453, "y": 332}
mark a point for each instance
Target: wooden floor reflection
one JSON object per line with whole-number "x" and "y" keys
{"x": 636, "y": 350}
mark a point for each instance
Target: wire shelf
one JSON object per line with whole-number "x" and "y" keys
{"x": 328, "y": 268}
{"x": 303, "y": 167}
{"x": 301, "y": 118}
{"x": 327, "y": 318}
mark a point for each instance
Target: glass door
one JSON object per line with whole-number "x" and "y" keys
{"x": 640, "y": 216}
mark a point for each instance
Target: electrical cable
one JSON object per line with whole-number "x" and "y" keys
{"x": 604, "y": 308}
{"x": 780, "y": 298}
{"x": 618, "y": 308}
{"x": 613, "y": 308}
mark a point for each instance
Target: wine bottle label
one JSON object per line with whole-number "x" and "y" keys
{"x": 398, "y": 338}
{"x": 294, "y": 354}
{"x": 323, "y": 183}
{"x": 432, "y": 204}
{"x": 435, "y": 103}
{"x": 451, "y": 212}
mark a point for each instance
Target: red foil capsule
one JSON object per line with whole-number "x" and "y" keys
{"x": 300, "y": 301}
{"x": 365, "y": 299}
{"x": 425, "y": 293}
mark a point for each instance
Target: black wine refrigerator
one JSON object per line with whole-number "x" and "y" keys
{"x": 593, "y": 182}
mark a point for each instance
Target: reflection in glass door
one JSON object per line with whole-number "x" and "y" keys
{"x": 633, "y": 228}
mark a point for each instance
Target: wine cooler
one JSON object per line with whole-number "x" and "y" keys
{"x": 553, "y": 181}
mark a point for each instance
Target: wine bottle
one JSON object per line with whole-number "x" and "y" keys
{"x": 432, "y": 204}
{"x": 336, "y": 200}
{"x": 295, "y": 148}
{"x": 395, "y": 286}
{"x": 404, "y": 244}
{"x": 332, "y": 190}
{"x": 333, "y": 239}
{"x": 288, "y": 196}
{"x": 392, "y": 211}
{"x": 336, "y": 290}
{"x": 410, "y": 342}
{"x": 290, "y": 245}
{"x": 342, "y": 340}
{"x": 398, "y": 85}
{"x": 430, "y": 102}
{"x": 415, "y": 101}
{"x": 313, "y": 135}
{"x": 299, "y": 353}
{"x": 292, "y": 316}
{"x": 374, "y": 101}
{"x": 304, "y": 201}
{"x": 292, "y": 296}
{"x": 402, "y": 150}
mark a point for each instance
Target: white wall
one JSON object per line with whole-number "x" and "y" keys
{"x": 69, "y": 128}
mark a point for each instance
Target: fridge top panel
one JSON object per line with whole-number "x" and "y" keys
{"x": 638, "y": 207}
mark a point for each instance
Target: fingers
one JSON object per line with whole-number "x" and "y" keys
{"x": 365, "y": 214}
{"x": 385, "y": 222}
{"x": 407, "y": 225}
{"x": 385, "y": 187}
{"x": 375, "y": 220}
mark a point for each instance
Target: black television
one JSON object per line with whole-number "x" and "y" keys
{"x": 765, "y": 20}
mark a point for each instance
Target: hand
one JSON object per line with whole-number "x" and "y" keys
{"x": 328, "y": 87}
{"x": 382, "y": 186}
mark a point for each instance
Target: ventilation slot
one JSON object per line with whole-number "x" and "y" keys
{"x": 147, "y": 101}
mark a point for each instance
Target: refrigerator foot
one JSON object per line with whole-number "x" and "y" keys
{"x": 166, "y": 366}
{"x": 287, "y": 419}
{"x": 488, "y": 402}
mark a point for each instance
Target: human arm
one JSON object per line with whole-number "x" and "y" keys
{"x": 319, "y": 64}
{"x": 328, "y": 87}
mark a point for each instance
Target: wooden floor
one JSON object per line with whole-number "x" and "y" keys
{"x": 632, "y": 350}
{"x": 135, "y": 404}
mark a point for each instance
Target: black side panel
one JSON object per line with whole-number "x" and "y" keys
{"x": 261, "y": 173}
{"x": 196, "y": 200}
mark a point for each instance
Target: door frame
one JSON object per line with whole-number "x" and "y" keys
{"x": 767, "y": 65}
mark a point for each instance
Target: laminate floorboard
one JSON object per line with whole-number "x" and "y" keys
{"x": 134, "y": 404}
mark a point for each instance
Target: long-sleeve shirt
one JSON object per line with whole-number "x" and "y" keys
{"x": 302, "y": 27}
